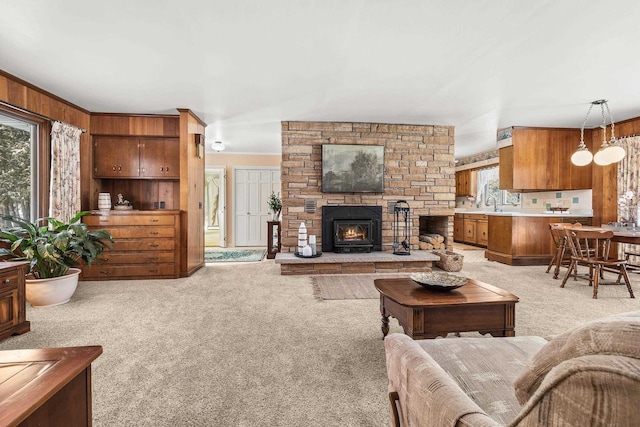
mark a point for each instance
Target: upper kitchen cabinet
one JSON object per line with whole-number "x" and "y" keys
{"x": 115, "y": 157}
{"x": 540, "y": 159}
{"x": 160, "y": 158}
{"x": 466, "y": 182}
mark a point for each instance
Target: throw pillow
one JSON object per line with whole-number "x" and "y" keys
{"x": 616, "y": 335}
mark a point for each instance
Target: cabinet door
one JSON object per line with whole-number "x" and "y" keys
{"x": 9, "y": 308}
{"x": 458, "y": 230}
{"x": 470, "y": 231}
{"x": 128, "y": 158}
{"x": 572, "y": 177}
{"x": 482, "y": 233}
{"x": 172, "y": 158}
{"x": 152, "y": 158}
{"x": 105, "y": 157}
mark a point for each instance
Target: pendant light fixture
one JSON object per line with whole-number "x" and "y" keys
{"x": 610, "y": 152}
{"x": 218, "y": 146}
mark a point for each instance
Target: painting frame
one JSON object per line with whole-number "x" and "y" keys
{"x": 352, "y": 168}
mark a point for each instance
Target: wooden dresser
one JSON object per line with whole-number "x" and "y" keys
{"x": 13, "y": 313}
{"x": 47, "y": 386}
{"x": 146, "y": 245}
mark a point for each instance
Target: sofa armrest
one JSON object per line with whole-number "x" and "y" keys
{"x": 596, "y": 390}
{"x": 427, "y": 396}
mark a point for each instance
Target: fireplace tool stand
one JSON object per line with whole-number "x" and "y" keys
{"x": 401, "y": 228}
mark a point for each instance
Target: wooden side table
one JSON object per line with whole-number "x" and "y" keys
{"x": 273, "y": 238}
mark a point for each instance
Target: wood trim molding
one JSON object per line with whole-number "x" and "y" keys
{"x": 194, "y": 115}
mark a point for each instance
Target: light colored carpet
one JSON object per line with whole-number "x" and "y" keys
{"x": 240, "y": 345}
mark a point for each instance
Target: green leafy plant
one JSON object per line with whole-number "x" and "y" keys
{"x": 275, "y": 203}
{"x": 52, "y": 246}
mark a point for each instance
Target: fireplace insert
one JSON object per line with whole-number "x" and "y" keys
{"x": 350, "y": 234}
{"x": 368, "y": 216}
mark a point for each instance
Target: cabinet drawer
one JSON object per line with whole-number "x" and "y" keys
{"x": 133, "y": 232}
{"x": 108, "y": 272}
{"x": 144, "y": 245}
{"x": 111, "y": 258}
{"x": 479, "y": 217}
{"x": 106, "y": 220}
{"x": 9, "y": 281}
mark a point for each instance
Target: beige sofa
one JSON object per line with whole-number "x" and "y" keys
{"x": 587, "y": 376}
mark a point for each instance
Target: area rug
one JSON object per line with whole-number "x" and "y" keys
{"x": 234, "y": 255}
{"x": 348, "y": 286}
{"x": 360, "y": 286}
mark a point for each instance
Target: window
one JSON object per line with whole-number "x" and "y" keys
{"x": 19, "y": 184}
{"x": 489, "y": 192}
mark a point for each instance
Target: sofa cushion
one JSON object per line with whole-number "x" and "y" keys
{"x": 485, "y": 369}
{"x": 615, "y": 335}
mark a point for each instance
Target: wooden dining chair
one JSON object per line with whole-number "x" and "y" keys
{"x": 562, "y": 253}
{"x": 591, "y": 247}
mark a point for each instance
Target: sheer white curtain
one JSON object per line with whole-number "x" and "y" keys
{"x": 65, "y": 171}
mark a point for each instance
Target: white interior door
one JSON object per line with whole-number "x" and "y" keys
{"x": 252, "y": 188}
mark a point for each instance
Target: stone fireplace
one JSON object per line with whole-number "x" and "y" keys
{"x": 418, "y": 168}
{"x": 437, "y": 224}
{"x": 351, "y": 228}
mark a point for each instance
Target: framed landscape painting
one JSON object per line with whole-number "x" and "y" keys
{"x": 352, "y": 168}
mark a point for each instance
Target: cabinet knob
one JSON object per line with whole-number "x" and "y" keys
{"x": 144, "y": 170}
{"x": 153, "y": 220}
{"x": 161, "y": 168}
{"x": 154, "y": 233}
{"x": 114, "y": 167}
{"x": 104, "y": 271}
{"x": 166, "y": 169}
{"x": 155, "y": 270}
{"x": 153, "y": 245}
{"x": 119, "y": 168}
{"x": 7, "y": 280}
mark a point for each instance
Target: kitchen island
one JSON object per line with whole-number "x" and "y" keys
{"x": 524, "y": 238}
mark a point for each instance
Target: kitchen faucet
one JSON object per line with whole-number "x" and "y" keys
{"x": 495, "y": 202}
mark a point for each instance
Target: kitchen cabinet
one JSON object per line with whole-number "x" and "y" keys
{"x": 482, "y": 232}
{"x": 523, "y": 240}
{"x": 146, "y": 245}
{"x": 474, "y": 224}
{"x": 160, "y": 158}
{"x": 466, "y": 182}
{"x": 13, "y": 312}
{"x": 115, "y": 157}
{"x": 540, "y": 159}
{"x": 458, "y": 228}
{"x": 126, "y": 157}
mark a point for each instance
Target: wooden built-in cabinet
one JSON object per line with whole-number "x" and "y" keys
{"x": 471, "y": 228}
{"x": 540, "y": 159}
{"x": 466, "y": 182}
{"x": 126, "y": 157}
{"x": 458, "y": 228}
{"x": 13, "y": 312}
{"x": 524, "y": 240}
{"x": 146, "y": 245}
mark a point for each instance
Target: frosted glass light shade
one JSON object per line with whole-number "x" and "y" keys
{"x": 581, "y": 157}
{"x": 218, "y": 146}
{"x": 601, "y": 158}
{"x": 615, "y": 153}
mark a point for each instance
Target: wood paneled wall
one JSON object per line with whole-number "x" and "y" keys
{"x": 25, "y": 96}
{"x": 605, "y": 178}
{"x": 191, "y": 194}
{"x": 135, "y": 125}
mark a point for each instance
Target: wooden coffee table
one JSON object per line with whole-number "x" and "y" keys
{"x": 476, "y": 306}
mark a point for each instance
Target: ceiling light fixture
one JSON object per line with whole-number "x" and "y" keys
{"x": 218, "y": 146}
{"x": 610, "y": 152}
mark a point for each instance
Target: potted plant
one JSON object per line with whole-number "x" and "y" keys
{"x": 53, "y": 249}
{"x": 275, "y": 205}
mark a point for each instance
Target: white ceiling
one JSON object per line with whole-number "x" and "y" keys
{"x": 244, "y": 66}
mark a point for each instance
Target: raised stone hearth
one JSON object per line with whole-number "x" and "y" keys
{"x": 353, "y": 263}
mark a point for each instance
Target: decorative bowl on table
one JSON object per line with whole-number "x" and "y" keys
{"x": 439, "y": 282}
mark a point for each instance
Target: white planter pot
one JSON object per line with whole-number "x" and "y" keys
{"x": 54, "y": 291}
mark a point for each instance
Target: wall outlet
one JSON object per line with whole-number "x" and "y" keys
{"x": 161, "y": 205}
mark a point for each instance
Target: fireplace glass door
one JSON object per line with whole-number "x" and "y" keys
{"x": 353, "y": 235}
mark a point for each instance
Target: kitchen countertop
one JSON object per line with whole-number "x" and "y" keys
{"x": 552, "y": 214}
